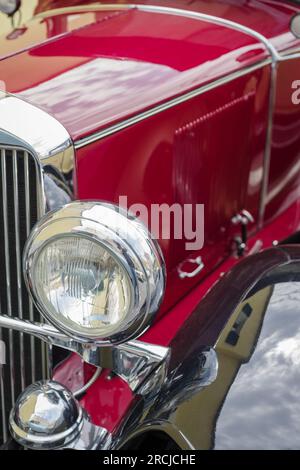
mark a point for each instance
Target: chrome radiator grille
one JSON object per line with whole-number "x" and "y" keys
{"x": 19, "y": 210}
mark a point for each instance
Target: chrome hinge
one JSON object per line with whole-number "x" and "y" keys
{"x": 243, "y": 218}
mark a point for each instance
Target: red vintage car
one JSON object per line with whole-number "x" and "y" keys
{"x": 149, "y": 224}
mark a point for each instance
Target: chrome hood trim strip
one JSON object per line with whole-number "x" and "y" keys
{"x": 167, "y": 105}
{"x": 275, "y": 58}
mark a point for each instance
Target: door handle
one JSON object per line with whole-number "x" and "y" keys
{"x": 200, "y": 266}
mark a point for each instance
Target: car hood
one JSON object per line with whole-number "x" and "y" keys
{"x": 92, "y": 65}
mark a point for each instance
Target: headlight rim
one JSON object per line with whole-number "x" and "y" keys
{"x": 53, "y": 319}
{"x": 138, "y": 322}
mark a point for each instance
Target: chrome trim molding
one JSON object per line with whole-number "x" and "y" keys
{"x": 166, "y": 10}
{"x": 295, "y": 55}
{"x": 18, "y": 263}
{"x": 36, "y": 130}
{"x": 7, "y": 267}
{"x": 133, "y": 361}
{"x": 21, "y": 178}
{"x": 268, "y": 146}
{"x": 275, "y": 58}
{"x": 28, "y": 230}
{"x": 42, "y": 140}
{"x": 88, "y": 384}
{"x": 168, "y": 104}
{"x": 27, "y": 127}
{"x": 212, "y": 19}
{"x": 192, "y": 368}
{"x": 172, "y": 387}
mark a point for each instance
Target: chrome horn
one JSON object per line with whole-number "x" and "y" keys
{"x": 47, "y": 416}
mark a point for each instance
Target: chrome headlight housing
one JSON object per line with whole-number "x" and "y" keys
{"x": 94, "y": 272}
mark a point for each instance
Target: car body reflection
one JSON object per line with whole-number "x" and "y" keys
{"x": 254, "y": 403}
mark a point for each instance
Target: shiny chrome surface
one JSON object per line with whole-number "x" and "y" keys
{"x": 18, "y": 261}
{"x": 295, "y": 25}
{"x": 213, "y": 19}
{"x": 275, "y": 57}
{"x": 47, "y": 416}
{"x": 28, "y": 229}
{"x": 127, "y": 239}
{"x": 3, "y": 417}
{"x": 265, "y": 360}
{"x": 37, "y": 130}
{"x": 185, "y": 393}
{"x": 136, "y": 361}
{"x": 199, "y": 267}
{"x": 20, "y": 189}
{"x": 169, "y": 104}
{"x": 25, "y": 126}
{"x": 252, "y": 340}
{"x": 133, "y": 361}
{"x": 88, "y": 384}
{"x": 7, "y": 267}
{"x": 36, "y": 174}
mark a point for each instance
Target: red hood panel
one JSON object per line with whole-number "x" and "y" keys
{"x": 43, "y": 20}
{"x": 111, "y": 69}
{"x": 95, "y": 68}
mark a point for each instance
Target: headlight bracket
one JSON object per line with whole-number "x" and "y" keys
{"x": 133, "y": 361}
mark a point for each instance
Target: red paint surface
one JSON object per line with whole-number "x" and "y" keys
{"x": 284, "y": 178}
{"x": 94, "y": 69}
{"x": 208, "y": 150}
{"x": 270, "y": 18}
{"x": 108, "y": 401}
{"x": 188, "y": 155}
{"x": 110, "y": 70}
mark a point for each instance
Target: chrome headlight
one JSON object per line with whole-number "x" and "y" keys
{"x": 94, "y": 272}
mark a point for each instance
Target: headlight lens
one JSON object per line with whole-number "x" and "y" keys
{"x": 82, "y": 285}
{"x": 94, "y": 272}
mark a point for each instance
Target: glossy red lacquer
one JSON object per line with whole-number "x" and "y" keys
{"x": 108, "y": 66}
{"x": 188, "y": 155}
{"x": 108, "y": 399}
{"x": 284, "y": 177}
{"x": 123, "y": 64}
{"x": 270, "y": 18}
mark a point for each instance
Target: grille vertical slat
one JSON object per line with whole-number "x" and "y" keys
{"x": 7, "y": 272}
{"x": 20, "y": 189}
{"x": 2, "y": 391}
{"x": 2, "y": 407}
{"x": 18, "y": 262}
{"x": 28, "y": 228}
{"x": 3, "y": 417}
